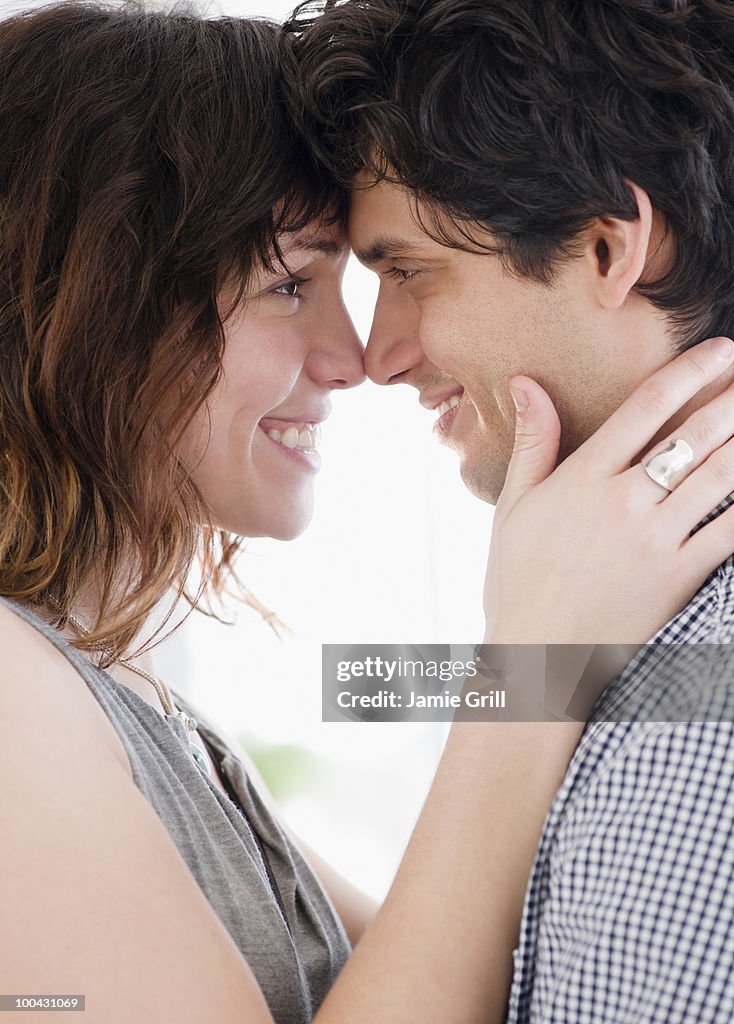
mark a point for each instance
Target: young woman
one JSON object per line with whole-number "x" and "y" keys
{"x": 171, "y": 327}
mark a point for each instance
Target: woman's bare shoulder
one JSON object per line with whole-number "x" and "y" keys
{"x": 93, "y": 889}
{"x": 38, "y": 683}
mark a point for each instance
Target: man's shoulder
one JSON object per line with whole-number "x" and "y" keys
{"x": 641, "y": 784}
{"x": 634, "y": 750}
{"x": 685, "y": 671}
{"x": 671, "y": 703}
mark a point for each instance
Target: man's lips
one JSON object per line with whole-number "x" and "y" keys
{"x": 442, "y": 426}
{"x": 435, "y": 399}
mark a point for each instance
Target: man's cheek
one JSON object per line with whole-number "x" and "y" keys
{"x": 442, "y": 340}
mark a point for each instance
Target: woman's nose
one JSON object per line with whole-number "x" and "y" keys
{"x": 337, "y": 360}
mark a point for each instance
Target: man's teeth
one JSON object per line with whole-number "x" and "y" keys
{"x": 450, "y": 403}
{"x": 307, "y": 439}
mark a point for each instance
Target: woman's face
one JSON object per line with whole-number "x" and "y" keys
{"x": 252, "y": 450}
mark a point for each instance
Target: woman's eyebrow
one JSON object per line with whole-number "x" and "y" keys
{"x": 327, "y": 246}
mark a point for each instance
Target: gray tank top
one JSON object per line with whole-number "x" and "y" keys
{"x": 253, "y": 876}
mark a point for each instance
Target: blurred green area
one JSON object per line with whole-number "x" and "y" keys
{"x": 288, "y": 769}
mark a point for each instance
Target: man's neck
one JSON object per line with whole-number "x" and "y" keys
{"x": 698, "y": 401}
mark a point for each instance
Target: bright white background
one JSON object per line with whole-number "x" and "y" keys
{"x": 395, "y": 554}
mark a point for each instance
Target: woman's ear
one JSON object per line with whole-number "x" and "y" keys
{"x": 618, "y": 250}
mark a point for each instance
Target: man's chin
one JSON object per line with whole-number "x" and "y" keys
{"x": 484, "y": 478}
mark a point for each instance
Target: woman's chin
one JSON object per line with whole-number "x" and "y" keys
{"x": 289, "y": 531}
{"x": 288, "y": 525}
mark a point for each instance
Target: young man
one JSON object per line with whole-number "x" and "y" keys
{"x": 548, "y": 189}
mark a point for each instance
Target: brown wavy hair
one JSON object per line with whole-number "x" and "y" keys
{"x": 145, "y": 159}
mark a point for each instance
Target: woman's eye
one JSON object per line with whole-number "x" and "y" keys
{"x": 401, "y": 275}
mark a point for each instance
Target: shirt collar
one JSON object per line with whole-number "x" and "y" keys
{"x": 721, "y": 507}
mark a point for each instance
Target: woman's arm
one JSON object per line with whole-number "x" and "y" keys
{"x": 440, "y": 947}
{"x": 356, "y": 910}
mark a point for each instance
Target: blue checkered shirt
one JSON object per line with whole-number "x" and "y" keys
{"x": 629, "y": 911}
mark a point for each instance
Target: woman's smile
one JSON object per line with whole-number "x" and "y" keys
{"x": 298, "y": 443}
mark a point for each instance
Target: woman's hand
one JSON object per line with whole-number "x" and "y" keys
{"x": 595, "y": 552}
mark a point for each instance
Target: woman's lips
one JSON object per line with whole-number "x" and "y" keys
{"x": 306, "y": 436}
{"x": 306, "y": 456}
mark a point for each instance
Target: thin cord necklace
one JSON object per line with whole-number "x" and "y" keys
{"x": 163, "y": 693}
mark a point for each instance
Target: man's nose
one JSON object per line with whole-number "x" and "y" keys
{"x": 392, "y": 349}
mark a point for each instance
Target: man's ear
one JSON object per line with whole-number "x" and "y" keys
{"x": 618, "y": 251}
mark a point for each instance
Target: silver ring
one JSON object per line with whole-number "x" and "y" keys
{"x": 666, "y": 465}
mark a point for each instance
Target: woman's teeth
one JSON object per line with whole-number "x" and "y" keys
{"x": 450, "y": 403}
{"x": 308, "y": 438}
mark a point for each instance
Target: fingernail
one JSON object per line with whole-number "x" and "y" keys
{"x": 723, "y": 347}
{"x": 520, "y": 399}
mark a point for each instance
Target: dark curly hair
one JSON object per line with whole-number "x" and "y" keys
{"x": 528, "y": 117}
{"x": 145, "y": 160}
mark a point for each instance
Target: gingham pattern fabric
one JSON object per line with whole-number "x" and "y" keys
{"x": 629, "y": 911}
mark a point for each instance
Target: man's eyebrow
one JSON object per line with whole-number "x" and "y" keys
{"x": 384, "y": 248}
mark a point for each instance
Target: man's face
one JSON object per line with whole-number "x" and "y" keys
{"x": 453, "y": 323}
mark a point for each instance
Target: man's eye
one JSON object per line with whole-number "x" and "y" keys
{"x": 401, "y": 275}
{"x": 291, "y": 287}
